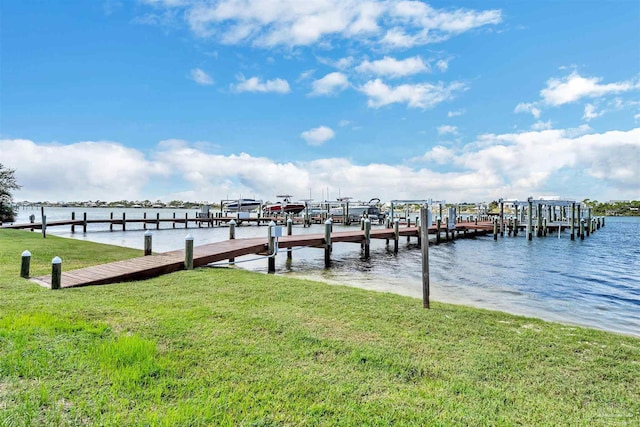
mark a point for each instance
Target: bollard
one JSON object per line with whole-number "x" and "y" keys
{"x": 327, "y": 243}
{"x": 367, "y": 237}
{"x": 289, "y": 233}
{"x": 56, "y": 273}
{"x": 147, "y": 242}
{"x": 26, "y": 264}
{"x": 232, "y": 235}
{"x": 188, "y": 252}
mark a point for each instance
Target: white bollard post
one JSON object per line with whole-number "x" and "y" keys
{"x": 147, "y": 242}
{"x": 26, "y": 264}
{"x": 56, "y": 273}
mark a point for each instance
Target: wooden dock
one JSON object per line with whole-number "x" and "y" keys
{"x": 155, "y": 265}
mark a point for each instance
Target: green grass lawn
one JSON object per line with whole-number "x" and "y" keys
{"x": 231, "y": 347}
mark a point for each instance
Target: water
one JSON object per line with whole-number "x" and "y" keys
{"x": 595, "y": 282}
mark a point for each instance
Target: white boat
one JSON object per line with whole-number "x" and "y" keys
{"x": 358, "y": 210}
{"x": 242, "y": 205}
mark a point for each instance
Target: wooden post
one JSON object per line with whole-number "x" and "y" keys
{"x": 530, "y": 219}
{"x": 396, "y": 234}
{"x": 582, "y": 229}
{"x": 174, "y": 220}
{"x": 84, "y": 222}
{"x": 327, "y": 243}
{"x": 56, "y": 273}
{"x": 25, "y": 265}
{"x": 603, "y": 221}
{"x": 573, "y": 221}
{"x": 73, "y": 218}
{"x": 186, "y": 219}
{"x": 188, "y": 252}
{"x": 272, "y": 247}
{"x": 515, "y": 222}
{"x": 367, "y": 237}
{"x": 289, "y": 233}
{"x": 44, "y": 226}
{"x": 589, "y": 228}
{"x": 501, "y": 218}
{"x": 438, "y": 223}
{"x": 158, "y": 221}
{"x": 424, "y": 237}
{"x": 144, "y": 222}
{"x": 147, "y": 242}
{"x": 544, "y": 226}
{"x": 124, "y": 221}
{"x": 539, "y": 220}
{"x": 232, "y": 235}
{"x": 495, "y": 229}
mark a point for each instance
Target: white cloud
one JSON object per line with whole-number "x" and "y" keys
{"x": 591, "y": 113}
{"x": 540, "y": 125}
{"x": 574, "y": 87}
{"x": 303, "y": 23}
{"x": 83, "y": 171}
{"x": 392, "y": 67}
{"x": 421, "y": 95}
{"x": 442, "y": 65}
{"x": 447, "y": 129}
{"x": 318, "y": 136}
{"x": 330, "y": 84}
{"x": 455, "y": 113}
{"x": 255, "y": 84}
{"x": 495, "y": 165}
{"x": 525, "y": 107}
{"x": 343, "y": 123}
{"x": 201, "y": 77}
{"x": 637, "y": 116}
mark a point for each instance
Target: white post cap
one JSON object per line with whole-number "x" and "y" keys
{"x": 367, "y": 220}
{"x": 189, "y": 237}
{"x": 26, "y": 253}
{"x": 289, "y": 220}
{"x": 328, "y": 222}
{"x": 148, "y": 233}
{"x": 272, "y": 224}
{"x": 56, "y": 260}
{"x": 232, "y": 222}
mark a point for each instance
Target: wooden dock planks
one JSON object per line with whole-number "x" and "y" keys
{"x": 158, "y": 264}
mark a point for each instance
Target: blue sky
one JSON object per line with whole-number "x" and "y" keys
{"x": 203, "y": 100}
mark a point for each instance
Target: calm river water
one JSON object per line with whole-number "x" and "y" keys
{"x": 595, "y": 282}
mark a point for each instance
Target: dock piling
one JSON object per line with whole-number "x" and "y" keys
{"x": 367, "y": 237}
{"x": 73, "y": 218}
{"x": 271, "y": 268}
{"x": 327, "y": 243}
{"x": 147, "y": 242}
{"x": 289, "y": 233}
{"x": 188, "y": 252}
{"x": 424, "y": 237}
{"x": 396, "y": 234}
{"x": 232, "y": 235}
{"x": 84, "y": 222}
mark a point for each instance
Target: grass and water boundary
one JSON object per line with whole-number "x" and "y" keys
{"x": 231, "y": 347}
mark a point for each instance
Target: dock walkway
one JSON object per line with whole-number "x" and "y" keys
{"x": 158, "y": 264}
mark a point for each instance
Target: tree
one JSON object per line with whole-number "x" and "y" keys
{"x": 7, "y": 185}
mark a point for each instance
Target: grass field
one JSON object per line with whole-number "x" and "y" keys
{"x": 231, "y": 347}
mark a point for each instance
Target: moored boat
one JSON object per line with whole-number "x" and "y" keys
{"x": 242, "y": 205}
{"x": 284, "y": 207}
